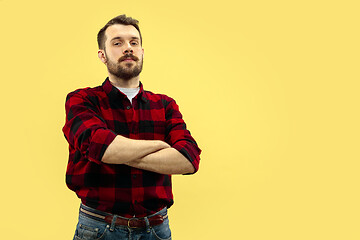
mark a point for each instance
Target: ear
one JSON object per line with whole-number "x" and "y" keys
{"x": 102, "y": 56}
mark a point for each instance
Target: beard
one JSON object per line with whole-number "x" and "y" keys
{"x": 129, "y": 70}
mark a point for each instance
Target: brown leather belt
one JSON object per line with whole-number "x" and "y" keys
{"x": 129, "y": 222}
{"x": 136, "y": 222}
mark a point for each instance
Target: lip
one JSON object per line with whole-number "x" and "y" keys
{"x": 128, "y": 59}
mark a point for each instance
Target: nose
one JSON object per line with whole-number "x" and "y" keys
{"x": 128, "y": 50}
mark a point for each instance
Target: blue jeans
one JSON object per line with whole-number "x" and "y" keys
{"x": 89, "y": 228}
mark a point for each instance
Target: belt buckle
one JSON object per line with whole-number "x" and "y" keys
{"x": 128, "y": 223}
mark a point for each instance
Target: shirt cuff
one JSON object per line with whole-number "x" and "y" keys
{"x": 101, "y": 139}
{"x": 192, "y": 153}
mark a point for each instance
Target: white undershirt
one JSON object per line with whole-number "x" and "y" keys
{"x": 129, "y": 92}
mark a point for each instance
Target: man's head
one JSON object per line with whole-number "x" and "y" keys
{"x": 123, "y": 20}
{"x": 120, "y": 47}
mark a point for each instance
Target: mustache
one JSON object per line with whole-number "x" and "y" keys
{"x": 126, "y": 56}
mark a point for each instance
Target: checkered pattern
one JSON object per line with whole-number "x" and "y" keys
{"x": 94, "y": 116}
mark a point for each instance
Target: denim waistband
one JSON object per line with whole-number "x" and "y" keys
{"x": 92, "y": 212}
{"x": 104, "y": 217}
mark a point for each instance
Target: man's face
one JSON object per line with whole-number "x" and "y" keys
{"x": 123, "y": 51}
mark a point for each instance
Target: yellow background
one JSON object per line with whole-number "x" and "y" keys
{"x": 269, "y": 89}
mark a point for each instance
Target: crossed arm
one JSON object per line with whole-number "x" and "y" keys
{"x": 86, "y": 131}
{"x": 152, "y": 155}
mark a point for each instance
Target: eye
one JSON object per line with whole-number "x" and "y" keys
{"x": 134, "y": 43}
{"x": 117, "y": 43}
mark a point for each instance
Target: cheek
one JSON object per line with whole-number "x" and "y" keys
{"x": 139, "y": 54}
{"x": 138, "y": 51}
{"x": 115, "y": 52}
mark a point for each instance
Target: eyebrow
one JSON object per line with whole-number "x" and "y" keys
{"x": 116, "y": 38}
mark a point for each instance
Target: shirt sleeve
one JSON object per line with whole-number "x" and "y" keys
{"x": 85, "y": 129}
{"x": 179, "y": 137}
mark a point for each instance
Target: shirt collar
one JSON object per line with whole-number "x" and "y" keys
{"x": 113, "y": 92}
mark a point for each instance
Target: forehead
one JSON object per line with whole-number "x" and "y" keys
{"x": 123, "y": 31}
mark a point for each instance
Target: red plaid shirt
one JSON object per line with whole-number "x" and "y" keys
{"x": 94, "y": 116}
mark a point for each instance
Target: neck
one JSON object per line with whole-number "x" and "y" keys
{"x": 122, "y": 83}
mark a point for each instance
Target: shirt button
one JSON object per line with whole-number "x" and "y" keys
{"x": 134, "y": 176}
{"x": 128, "y": 107}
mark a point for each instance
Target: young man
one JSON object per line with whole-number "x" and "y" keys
{"x": 124, "y": 145}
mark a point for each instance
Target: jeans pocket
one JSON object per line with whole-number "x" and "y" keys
{"x": 162, "y": 231}
{"x": 85, "y": 232}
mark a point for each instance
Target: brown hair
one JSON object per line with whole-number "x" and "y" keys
{"x": 121, "y": 19}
